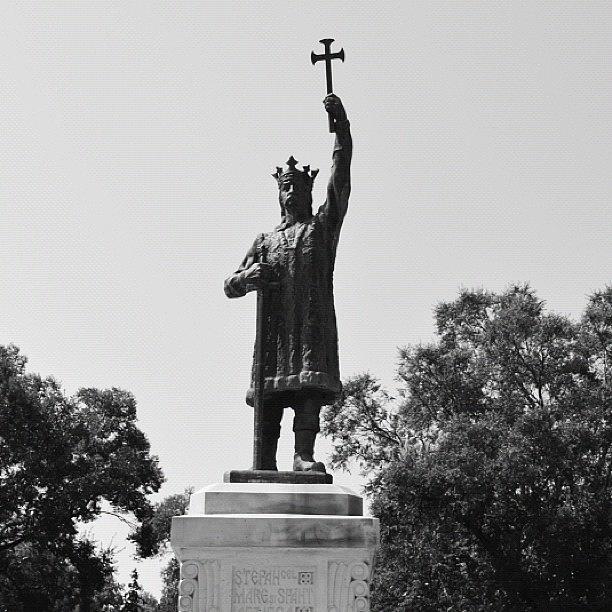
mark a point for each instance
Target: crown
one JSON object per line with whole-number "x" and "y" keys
{"x": 307, "y": 175}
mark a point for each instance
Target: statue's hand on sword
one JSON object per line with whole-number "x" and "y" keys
{"x": 259, "y": 276}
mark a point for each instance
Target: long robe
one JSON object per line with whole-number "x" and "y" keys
{"x": 300, "y": 337}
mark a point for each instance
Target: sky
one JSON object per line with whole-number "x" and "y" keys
{"x": 137, "y": 144}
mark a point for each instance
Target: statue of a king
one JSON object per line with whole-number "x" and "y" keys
{"x": 294, "y": 266}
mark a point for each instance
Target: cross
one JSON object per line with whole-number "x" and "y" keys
{"x": 328, "y": 56}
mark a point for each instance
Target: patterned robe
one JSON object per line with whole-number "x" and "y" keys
{"x": 300, "y": 336}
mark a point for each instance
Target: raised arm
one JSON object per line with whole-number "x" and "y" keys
{"x": 339, "y": 186}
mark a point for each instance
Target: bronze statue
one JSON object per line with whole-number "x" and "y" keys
{"x": 292, "y": 267}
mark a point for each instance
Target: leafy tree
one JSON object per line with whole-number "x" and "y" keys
{"x": 153, "y": 537}
{"x": 149, "y": 603}
{"x": 136, "y": 600}
{"x": 60, "y": 458}
{"x": 491, "y": 472}
{"x": 133, "y": 597}
{"x": 170, "y": 579}
{"x": 38, "y": 579}
{"x": 109, "y": 598}
{"x": 93, "y": 571}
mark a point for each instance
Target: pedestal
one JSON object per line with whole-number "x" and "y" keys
{"x": 274, "y": 547}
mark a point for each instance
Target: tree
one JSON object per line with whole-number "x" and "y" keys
{"x": 133, "y": 597}
{"x": 38, "y": 579}
{"x": 109, "y": 598}
{"x": 60, "y": 458}
{"x": 152, "y": 538}
{"x": 136, "y": 600}
{"x": 170, "y": 593}
{"x": 149, "y": 603}
{"x": 491, "y": 472}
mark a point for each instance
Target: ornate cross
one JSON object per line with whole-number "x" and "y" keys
{"x": 328, "y": 56}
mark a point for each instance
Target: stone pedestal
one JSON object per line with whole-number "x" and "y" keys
{"x": 274, "y": 547}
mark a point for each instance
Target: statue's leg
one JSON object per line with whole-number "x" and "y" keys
{"x": 306, "y": 427}
{"x": 271, "y": 432}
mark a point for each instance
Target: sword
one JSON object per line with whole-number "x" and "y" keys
{"x": 259, "y": 375}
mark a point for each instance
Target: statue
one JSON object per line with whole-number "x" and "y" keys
{"x": 292, "y": 269}
{"x": 295, "y": 264}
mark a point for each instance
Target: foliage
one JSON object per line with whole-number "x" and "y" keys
{"x": 137, "y": 600}
{"x": 364, "y": 425}
{"x": 153, "y": 534}
{"x": 152, "y": 538}
{"x": 60, "y": 458}
{"x": 492, "y": 475}
{"x": 133, "y": 597}
{"x": 149, "y": 603}
{"x": 37, "y": 579}
{"x": 170, "y": 578}
{"x": 109, "y": 598}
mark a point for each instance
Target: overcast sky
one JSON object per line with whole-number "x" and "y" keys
{"x": 137, "y": 144}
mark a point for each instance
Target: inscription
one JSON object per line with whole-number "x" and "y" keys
{"x": 273, "y": 589}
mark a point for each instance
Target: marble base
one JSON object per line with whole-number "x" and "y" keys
{"x": 275, "y": 498}
{"x": 252, "y": 547}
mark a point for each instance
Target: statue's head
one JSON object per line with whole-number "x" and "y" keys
{"x": 295, "y": 188}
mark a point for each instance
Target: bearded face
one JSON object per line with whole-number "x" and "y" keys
{"x": 294, "y": 196}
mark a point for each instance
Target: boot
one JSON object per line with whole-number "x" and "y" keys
{"x": 270, "y": 442}
{"x": 303, "y": 460}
